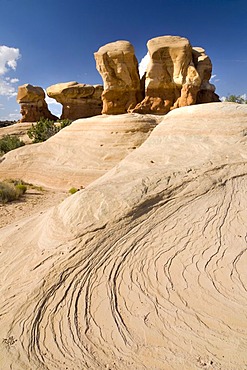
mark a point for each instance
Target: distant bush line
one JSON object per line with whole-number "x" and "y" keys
{"x": 240, "y": 99}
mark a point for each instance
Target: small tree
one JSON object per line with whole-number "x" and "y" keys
{"x": 45, "y": 128}
{"x": 42, "y": 131}
{"x": 236, "y": 99}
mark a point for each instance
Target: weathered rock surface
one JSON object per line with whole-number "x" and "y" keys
{"x": 118, "y": 66}
{"x": 78, "y": 100}
{"x": 80, "y": 153}
{"x": 143, "y": 269}
{"x": 33, "y": 104}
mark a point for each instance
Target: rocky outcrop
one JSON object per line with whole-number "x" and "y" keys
{"x": 168, "y": 70}
{"x": 118, "y": 66}
{"x": 33, "y": 104}
{"x": 204, "y": 67}
{"x": 78, "y": 100}
{"x": 177, "y": 75}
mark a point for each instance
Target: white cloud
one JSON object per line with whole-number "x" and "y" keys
{"x": 143, "y": 64}
{"x": 6, "y": 88}
{"x": 213, "y": 76}
{"x": 8, "y": 60}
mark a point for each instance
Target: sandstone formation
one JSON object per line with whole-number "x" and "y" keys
{"x": 79, "y": 153}
{"x": 203, "y": 65}
{"x": 33, "y": 104}
{"x": 118, "y": 66}
{"x": 177, "y": 75}
{"x": 143, "y": 269}
{"x": 78, "y": 100}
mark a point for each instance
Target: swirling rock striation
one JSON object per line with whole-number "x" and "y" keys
{"x": 145, "y": 268}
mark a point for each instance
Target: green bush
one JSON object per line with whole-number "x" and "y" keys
{"x": 10, "y": 192}
{"x": 42, "y": 130}
{"x": 64, "y": 123}
{"x": 73, "y": 190}
{"x": 45, "y": 128}
{"x": 8, "y": 142}
{"x": 21, "y": 188}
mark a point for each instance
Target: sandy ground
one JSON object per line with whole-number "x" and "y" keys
{"x": 34, "y": 201}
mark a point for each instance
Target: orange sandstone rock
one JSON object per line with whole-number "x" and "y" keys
{"x": 171, "y": 79}
{"x": 118, "y": 66}
{"x": 78, "y": 100}
{"x": 33, "y": 104}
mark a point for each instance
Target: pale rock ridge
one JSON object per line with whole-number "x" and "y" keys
{"x": 78, "y": 100}
{"x": 145, "y": 268}
{"x": 118, "y": 66}
{"x": 33, "y": 104}
{"x": 80, "y": 153}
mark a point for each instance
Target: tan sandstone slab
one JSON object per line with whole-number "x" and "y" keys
{"x": 80, "y": 153}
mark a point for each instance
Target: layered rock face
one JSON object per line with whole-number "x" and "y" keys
{"x": 78, "y": 100}
{"x": 177, "y": 75}
{"x": 33, "y": 104}
{"x": 118, "y": 66}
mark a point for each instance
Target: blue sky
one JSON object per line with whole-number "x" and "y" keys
{"x": 52, "y": 41}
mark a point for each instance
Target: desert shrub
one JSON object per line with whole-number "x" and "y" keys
{"x": 9, "y": 192}
{"x": 64, "y": 123}
{"x": 42, "y": 130}
{"x": 73, "y": 190}
{"x": 21, "y": 188}
{"x": 8, "y": 142}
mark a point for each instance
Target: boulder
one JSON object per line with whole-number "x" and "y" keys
{"x": 78, "y": 100}
{"x": 118, "y": 66}
{"x": 33, "y": 104}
